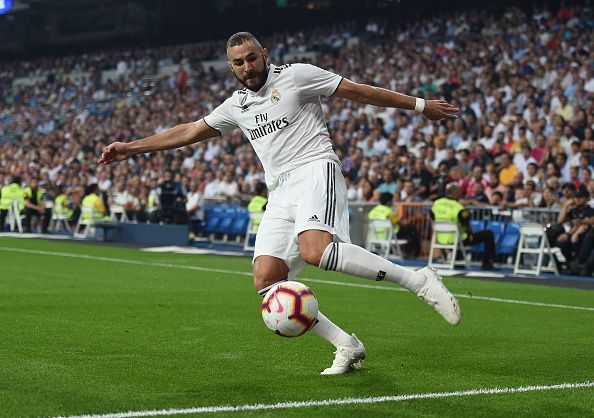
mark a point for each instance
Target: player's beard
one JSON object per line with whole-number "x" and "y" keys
{"x": 256, "y": 80}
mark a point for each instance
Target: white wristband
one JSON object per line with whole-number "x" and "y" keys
{"x": 419, "y": 105}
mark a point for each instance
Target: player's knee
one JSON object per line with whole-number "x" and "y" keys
{"x": 312, "y": 254}
{"x": 312, "y": 245}
{"x": 267, "y": 274}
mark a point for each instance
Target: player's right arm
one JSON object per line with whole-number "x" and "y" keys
{"x": 178, "y": 136}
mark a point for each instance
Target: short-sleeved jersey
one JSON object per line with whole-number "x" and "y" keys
{"x": 283, "y": 120}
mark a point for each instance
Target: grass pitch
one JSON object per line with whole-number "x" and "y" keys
{"x": 90, "y": 329}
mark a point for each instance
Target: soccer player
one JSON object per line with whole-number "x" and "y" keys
{"x": 306, "y": 219}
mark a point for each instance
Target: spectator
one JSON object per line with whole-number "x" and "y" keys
{"x": 408, "y": 193}
{"x": 194, "y": 208}
{"x": 580, "y": 218}
{"x": 211, "y": 189}
{"x": 507, "y": 170}
{"x": 549, "y": 200}
{"x": 439, "y": 182}
{"x": 228, "y": 187}
{"x": 421, "y": 179}
{"x": 388, "y": 185}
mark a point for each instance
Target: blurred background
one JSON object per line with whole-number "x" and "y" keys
{"x": 76, "y": 75}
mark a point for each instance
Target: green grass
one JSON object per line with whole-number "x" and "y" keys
{"x": 98, "y": 336}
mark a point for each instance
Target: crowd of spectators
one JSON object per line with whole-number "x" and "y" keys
{"x": 524, "y": 138}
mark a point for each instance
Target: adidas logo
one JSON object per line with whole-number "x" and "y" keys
{"x": 313, "y": 219}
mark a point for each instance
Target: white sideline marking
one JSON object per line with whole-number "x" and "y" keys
{"x": 339, "y": 401}
{"x": 244, "y": 273}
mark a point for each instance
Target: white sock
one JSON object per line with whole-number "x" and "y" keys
{"x": 262, "y": 292}
{"x": 357, "y": 261}
{"x": 331, "y": 332}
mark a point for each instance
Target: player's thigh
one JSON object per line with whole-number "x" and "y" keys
{"x": 275, "y": 244}
{"x": 323, "y": 203}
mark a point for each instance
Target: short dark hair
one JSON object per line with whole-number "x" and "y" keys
{"x": 260, "y": 188}
{"x": 240, "y": 38}
{"x": 385, "y": 198}
{"x": 92, "y": 188}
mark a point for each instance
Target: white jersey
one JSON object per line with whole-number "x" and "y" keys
{"x": 283, "y": 120}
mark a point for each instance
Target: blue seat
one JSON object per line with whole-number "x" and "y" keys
{"x": 239, "y": 226}
{"x": 212, "y": 217}
{"x": 211, "y": 224}
{"x": 224, "y": 225}
{"x": 243, "y": 213}
{"x": 509, "y": 241}
{"x": 497, "y": 227}
{"x": 477, "y": 225}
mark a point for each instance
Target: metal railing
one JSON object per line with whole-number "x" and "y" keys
{"x": 418, "y": 215}
{"x": 542, "y": 216}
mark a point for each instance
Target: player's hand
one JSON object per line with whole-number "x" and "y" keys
{"x": 117, "y": 151}
{"x": 440, "y": 109}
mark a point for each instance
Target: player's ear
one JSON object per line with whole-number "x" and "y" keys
{"x": 231, "y": 67}
{"x": 265, "y": 55}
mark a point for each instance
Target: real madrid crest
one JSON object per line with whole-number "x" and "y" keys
{"x": 275, "y": 96}
{"x": 243, "y": 99}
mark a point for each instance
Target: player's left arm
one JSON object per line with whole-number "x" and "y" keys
{"x": 377, "y": 96}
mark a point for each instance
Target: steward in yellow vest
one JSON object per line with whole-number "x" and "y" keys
{"x": 257, "y": 205}
{"x": 92, "y": 206}
{"x": 61, "y": 207}
{"x": 34, "y": 209}
{"x": 402, "y": 228}
{"x": 448, "y": 209}
{"x": 8, "y": 194}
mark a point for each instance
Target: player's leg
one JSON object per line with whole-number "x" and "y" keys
{"x": 325, "y": 243}
{"x": 276, "y": 257}
{"x": 319, "y": 249}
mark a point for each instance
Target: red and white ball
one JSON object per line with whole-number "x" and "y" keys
{"x": 290, "y": 309}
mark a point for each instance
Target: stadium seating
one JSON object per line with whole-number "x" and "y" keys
{"x": 509, "y": 241}
{"x": 213, "y": 216}
{"x": 238, "y": 228}
{"x": 225, "y": 223}
{"x": 497, "y": 227}
{"x": 477, "y": 225}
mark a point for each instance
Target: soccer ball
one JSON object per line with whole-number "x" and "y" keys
{"x": 290, "y": 309}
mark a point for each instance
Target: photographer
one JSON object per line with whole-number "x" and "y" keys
{"x": 171, "y": 197}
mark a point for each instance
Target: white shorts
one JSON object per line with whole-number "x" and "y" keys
{"x": 310, "y": 197}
